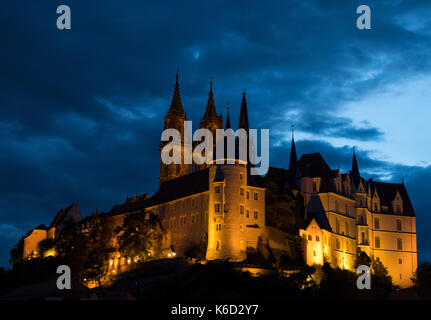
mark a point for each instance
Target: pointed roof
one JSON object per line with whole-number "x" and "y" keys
{"x": 210, "y": 112}
{"x": 176, "y": 105}
{"x": 293, "y": 158}
{"x": 228, "y": 126}
{"x": 243, "y": 117}
{"x": 355, "y": 168}
{"x": 219, "y": 175}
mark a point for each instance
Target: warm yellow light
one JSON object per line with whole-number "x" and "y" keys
{"x": 174, "y": 254}
{"x": 50, "y": 253}
{"x": 129, "y": 261}
{"x": 169, "y": 255}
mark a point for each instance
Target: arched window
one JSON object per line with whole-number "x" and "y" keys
{"x": 376, "y": 223}
{"x": 377, "y": 242}
{"x": 218, "y": 246}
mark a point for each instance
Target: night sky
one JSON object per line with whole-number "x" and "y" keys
{"x": 82, "y": 110}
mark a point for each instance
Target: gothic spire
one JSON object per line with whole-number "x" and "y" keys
{"x": 228, "y": 126}
{"x": 176, "y": 105}
{"x": 293, "y": 158}
{"x": 355, "y": 168}
{"x": 210, "y": 112}
{"x": 243, "y": 118}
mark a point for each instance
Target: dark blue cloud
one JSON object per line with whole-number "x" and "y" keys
{"x": 82, "y": 110}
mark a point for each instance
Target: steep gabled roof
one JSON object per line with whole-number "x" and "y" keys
{"x": 387, "y": 192}
{"x": 313, "y": 165}
{"x": 321, "y": 219}
{"x": 63, "y": 214}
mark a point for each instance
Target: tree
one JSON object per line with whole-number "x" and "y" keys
{"x": 45, "y": 248}
{"x": 17, "y": 252}
{"x": 381, "y": 281}
{"x": 199, "y": 251}
{"x": 284, "y": 207}
{"x": 99, "y": 238}
{"x": 362, "y": 259}
{"x": 140, "y": 236}
{"x": 422, "y": 276}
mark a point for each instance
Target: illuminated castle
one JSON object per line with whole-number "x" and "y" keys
{"x": 225, "y": 206}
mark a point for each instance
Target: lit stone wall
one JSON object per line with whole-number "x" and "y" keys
{"x": 31, "y": 242}
{"x": 235, "y": 223}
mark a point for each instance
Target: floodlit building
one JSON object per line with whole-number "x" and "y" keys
{"x": 227, "y": 209}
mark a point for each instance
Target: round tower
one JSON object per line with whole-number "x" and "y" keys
{"x": 227, "y": 183}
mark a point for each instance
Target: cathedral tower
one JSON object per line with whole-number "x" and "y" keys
{"x": 175, "y": 120}
{"x": 210, "y": 121}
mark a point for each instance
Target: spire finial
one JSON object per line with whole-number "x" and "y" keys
{"x": 293, "y": 131}
{"x": 228, "y": 126}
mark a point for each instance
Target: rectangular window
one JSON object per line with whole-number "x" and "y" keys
{"x": 400, "y": 261}
{"x": 217, "y": 207}
{"x": 398, "y": 225}
{"x": 241, "y": 209}
{"x": 363, "y": 237}
{"x": 376, "y": 223}
{"x": 377, "y": 242}
{"x": 218, "y": 226}
{"x": 400, "y": 244}
{"x": 256, "y": 214}
{"x": 241, "y": 191}
{"x": 256, "y": 196}
{"x": 218, "y": 247}
{"x": 247, "y": 214}
{"x": 248, "y": 195}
